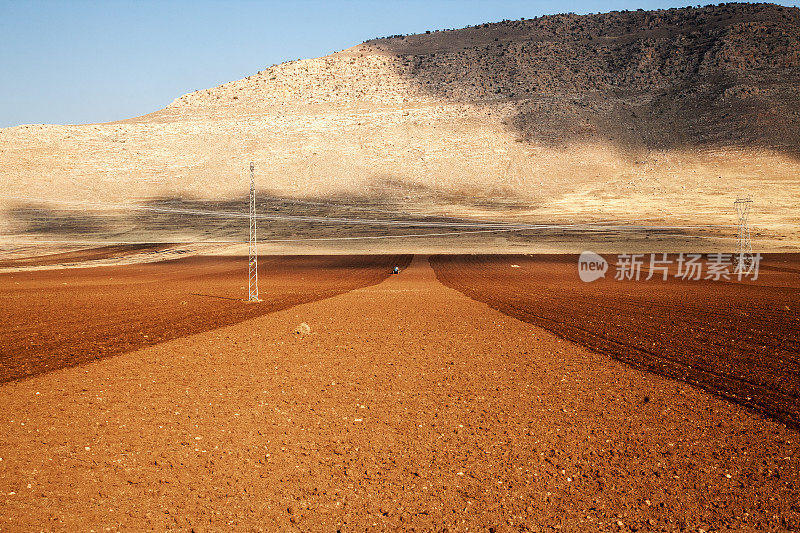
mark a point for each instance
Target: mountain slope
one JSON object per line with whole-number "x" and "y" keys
{"x": 727, "y": 74}
{"x": 663, "y": 115}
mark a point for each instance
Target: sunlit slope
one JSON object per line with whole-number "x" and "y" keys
{"x": 663, "y": 117}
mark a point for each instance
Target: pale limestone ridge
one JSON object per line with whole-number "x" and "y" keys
{"x": 662, "y": 116}
{"x": 340, "y": 79}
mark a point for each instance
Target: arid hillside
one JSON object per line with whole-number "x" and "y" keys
{"x": 659, "y": 118}
{"x": 725, "y": 75}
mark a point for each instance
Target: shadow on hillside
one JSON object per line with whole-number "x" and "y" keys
{"x": 719, "y": 76}
{"x": 305, "y": 220}
{"x": 406, "y": 210}
{"x": 31, "y": 218}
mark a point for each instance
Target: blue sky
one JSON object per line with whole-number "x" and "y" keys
{"x": 68, "y": 62}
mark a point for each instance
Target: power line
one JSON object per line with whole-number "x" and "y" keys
{"x": 744, "y": 248}
{"x": 252, "y": 278}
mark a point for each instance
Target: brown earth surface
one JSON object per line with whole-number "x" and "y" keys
{"x": 58, "y": 318}
{"x": 740, "y": 340}
{"x": 83, "y": 254}
{"x": 406, "y": 406}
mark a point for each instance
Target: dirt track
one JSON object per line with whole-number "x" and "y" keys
{"x": 408, "y": 406}
{"x": 740, "y": 340}
{"x": 58, "y": 318}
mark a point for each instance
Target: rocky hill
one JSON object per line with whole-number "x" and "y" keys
{"x": 608, "y": 116}
{"x": 727, "y": 74}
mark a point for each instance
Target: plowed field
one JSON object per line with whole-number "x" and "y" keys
{"x": 57, "y": 318}
{"x": 405, "y": 406}
{"x": 86, "y": 254}
{"x": 740, "y": 340}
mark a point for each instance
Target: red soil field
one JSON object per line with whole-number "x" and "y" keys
{"x": 57, "y": 318}
{"x": 739, "y": 340}
{"x": 87, "y": 254}
{"x": 407, "y": 406}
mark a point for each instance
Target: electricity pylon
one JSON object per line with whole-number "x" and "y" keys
{"x": 744, "y": 248}
{"x": 253, "y": 260}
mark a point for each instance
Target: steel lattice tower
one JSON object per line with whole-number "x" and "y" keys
{"x": 744, "y": 248}
{"x": 253, "y": 260}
